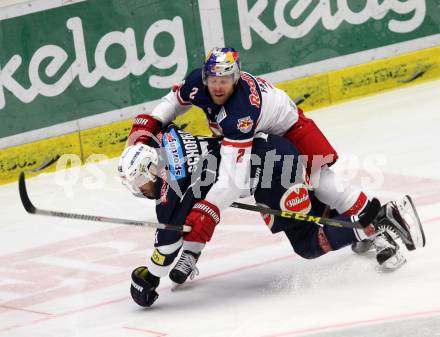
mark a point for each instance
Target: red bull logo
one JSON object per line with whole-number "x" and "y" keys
{"x": 245, "y": 124}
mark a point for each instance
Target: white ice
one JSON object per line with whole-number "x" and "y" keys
{"x": 61, "y": 277}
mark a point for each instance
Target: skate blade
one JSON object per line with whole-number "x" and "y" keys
{"x": 175, "y": 286}
{"x": 392, "y": 264}
{"x": 409, "y": 213}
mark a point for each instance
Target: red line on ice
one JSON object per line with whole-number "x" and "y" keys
{"x": 25, "y": 310}
{"x": 125, "y": 298}
{"x": 356, "y": 323}
{"x": 158, "y": 334}
{"x": 430, "y": 220}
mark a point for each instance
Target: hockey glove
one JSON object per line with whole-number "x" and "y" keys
{"x": 203, "y": 218}
{"x": 143, "y": 285}
{"x": 144, "y": 129}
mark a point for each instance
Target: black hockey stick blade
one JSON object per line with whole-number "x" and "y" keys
{"x": 413, "y": 77}
{"x": 299, "y": 216}
{"x": 27, "y": 204}
{"x": 30, "y": 208}
{"x": 45, "y": 164}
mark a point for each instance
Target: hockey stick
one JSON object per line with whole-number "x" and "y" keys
{"x": 300, "y": 99}
{"x": 415, "y": 76}
{"x": 30, "y": 208}
{"x": 363, "y": 222}
{"x": 45, "y": 164}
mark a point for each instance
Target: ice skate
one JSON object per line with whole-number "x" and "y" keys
{"x": 400, "y": 218}
{"x": 388, "y": 253}
{"x": 184, "y": 268}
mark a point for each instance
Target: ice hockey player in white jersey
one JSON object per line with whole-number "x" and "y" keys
{"x": 237, "y": 105}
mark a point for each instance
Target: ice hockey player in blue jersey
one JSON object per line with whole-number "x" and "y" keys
{"x": 181, "y": 170}
{"x": 237, "y": 106}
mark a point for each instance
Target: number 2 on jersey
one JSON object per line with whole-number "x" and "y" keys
{"x": 240, "y": 155}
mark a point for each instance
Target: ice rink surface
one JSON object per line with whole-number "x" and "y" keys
{"x": 71, "y": 278}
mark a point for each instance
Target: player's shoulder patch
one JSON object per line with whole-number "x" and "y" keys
{"x": 221, "y": 115}
{"x": 245, "y": 124}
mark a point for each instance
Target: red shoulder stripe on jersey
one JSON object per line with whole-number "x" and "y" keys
{"x": 237, "y": 143}
{"x": 179, "y": 98}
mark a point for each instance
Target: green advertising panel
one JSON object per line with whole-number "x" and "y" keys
{"x": 97, "y": 56}
{"x": 275, "y": 35}
{"x": 91, "y": 57}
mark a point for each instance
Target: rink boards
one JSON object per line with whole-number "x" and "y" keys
{"x": 324, "y": 89}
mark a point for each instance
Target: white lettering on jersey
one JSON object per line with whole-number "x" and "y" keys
{"x": 254, "y": 98}
{"x": 278, "y": 113}
{"x": 193, "y": 93}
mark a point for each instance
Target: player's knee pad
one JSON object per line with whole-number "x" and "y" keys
{"x": 162, "y": 258}
{"x": 143, "y": 286}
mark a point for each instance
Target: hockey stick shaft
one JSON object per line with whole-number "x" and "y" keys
{"x": 30, "y": 208}
{"x": 362, "y": 223}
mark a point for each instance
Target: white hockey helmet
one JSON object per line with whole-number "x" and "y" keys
{"x": 134, "y": 165}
